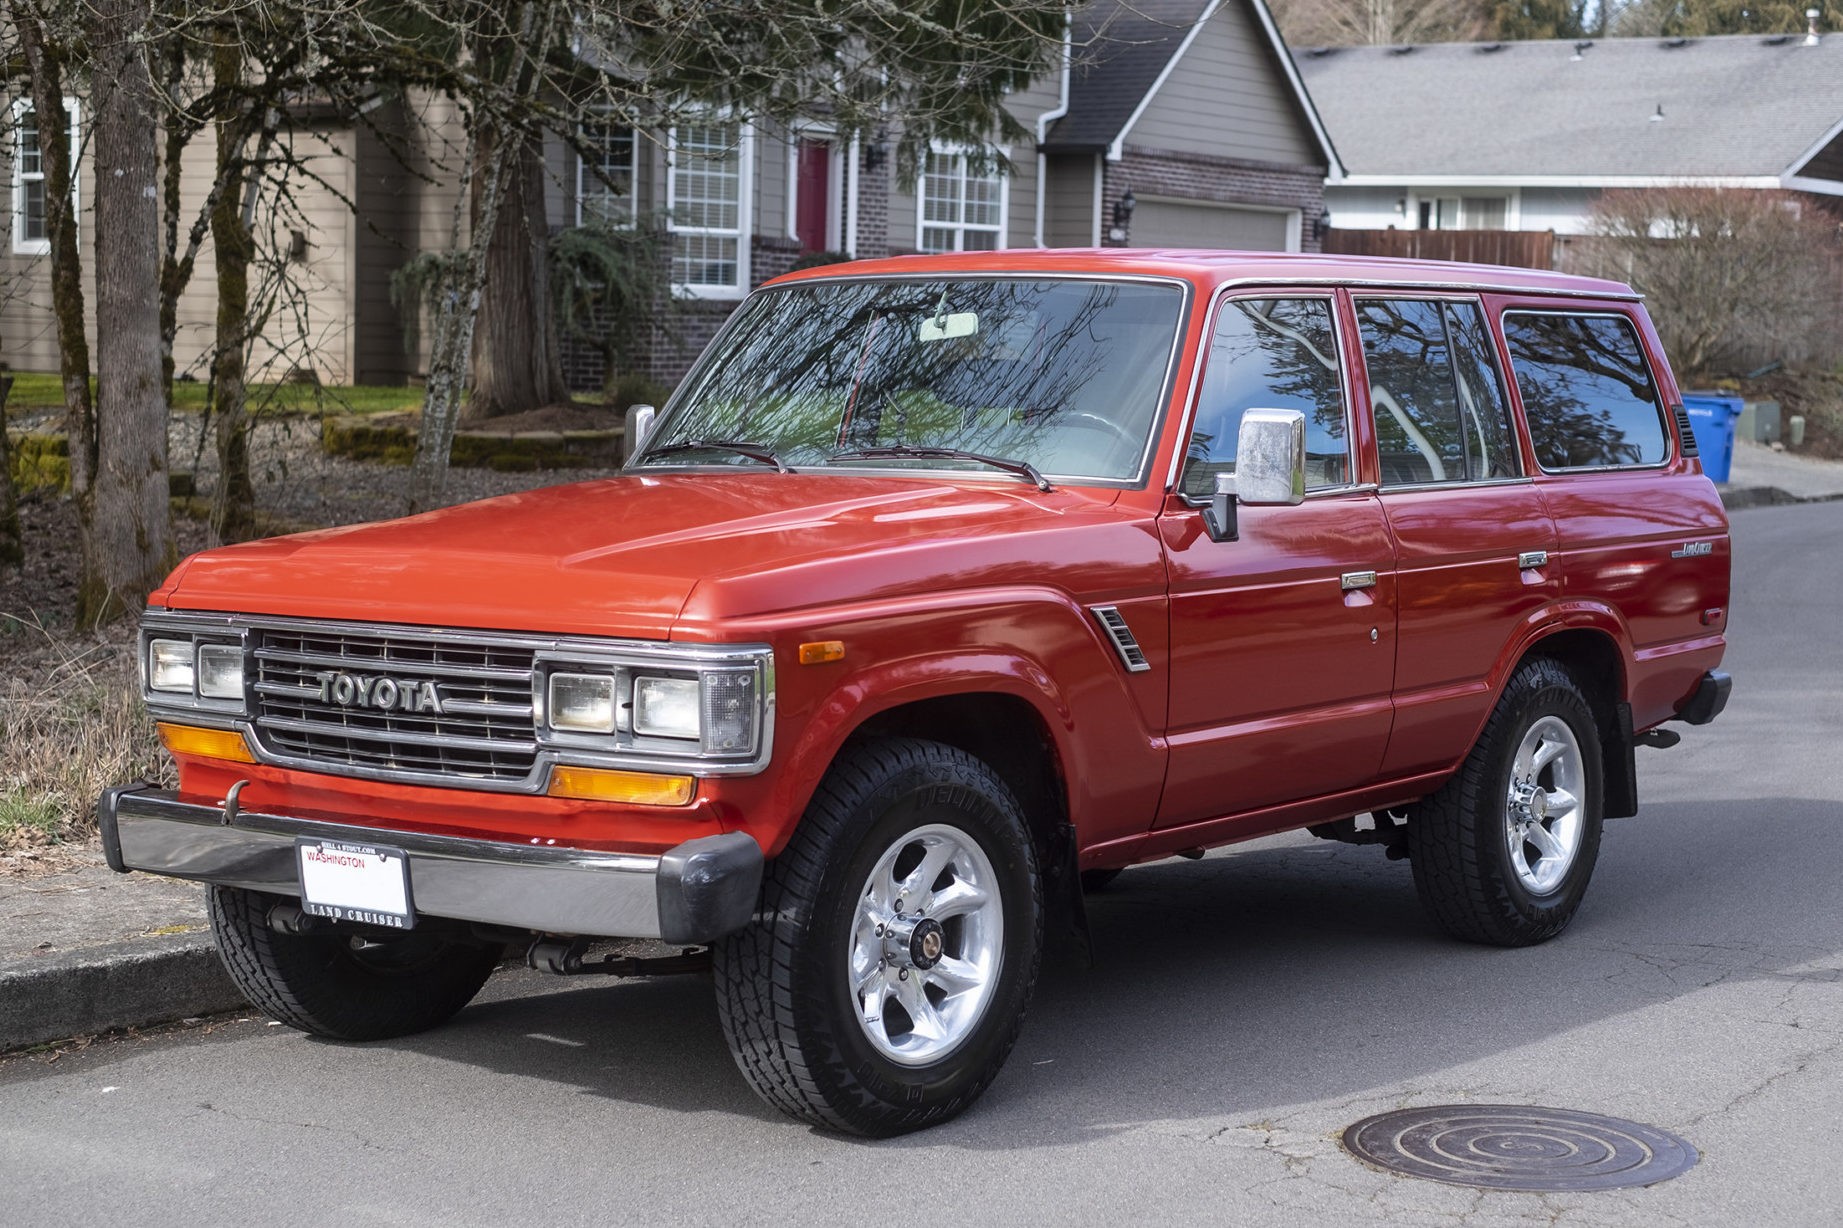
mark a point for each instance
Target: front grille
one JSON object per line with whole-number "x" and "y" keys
{"x": 483, "y": 731}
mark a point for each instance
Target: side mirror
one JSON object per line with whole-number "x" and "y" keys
{"x": 638, "y": 425}
{"x": 1269, "y": 469}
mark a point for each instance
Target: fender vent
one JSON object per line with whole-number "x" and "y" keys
{"x": 1686, "y": 430}
{"x": 1114, "y": 624}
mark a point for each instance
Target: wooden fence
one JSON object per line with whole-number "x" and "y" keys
{"x": 1524, "y": 249}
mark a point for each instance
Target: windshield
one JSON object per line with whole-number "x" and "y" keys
{"x": 1063, "y": 377}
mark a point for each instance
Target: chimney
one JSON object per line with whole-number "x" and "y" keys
{"x": 1811, "y": 16}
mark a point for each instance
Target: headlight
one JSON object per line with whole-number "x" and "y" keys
{"x": 192, "y": 664}
{"x": 169, "y": 666}
{"x": 666, "y": 707}
{"x": 220, "y": 671}
{"x": 582, "y": 703}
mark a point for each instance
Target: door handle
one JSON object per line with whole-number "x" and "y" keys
{"x": 1532, "y": 558}
{"x": 1352, "y": 580}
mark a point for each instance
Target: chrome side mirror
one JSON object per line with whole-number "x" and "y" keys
{"x": 1269, "y": 469}
{"x": 638, "y": 425}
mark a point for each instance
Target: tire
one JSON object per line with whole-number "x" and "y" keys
{"x": 1499, "y": 855}
{"x": 1098, "y": 880}
{"x": 815, "y": 1000}
{"x": 320, "y": 984}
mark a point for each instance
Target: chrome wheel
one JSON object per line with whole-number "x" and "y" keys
{"x": 1544, "y": 808}
{"x": 926, "y": 945}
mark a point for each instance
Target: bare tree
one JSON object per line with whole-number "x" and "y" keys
{"x": 932, "y": 69}
{"x": 118, "y": 440}
{"x": 1724, "y": 268}
{"x": 1336, "y": 23}
{"x": 128, "y": 526}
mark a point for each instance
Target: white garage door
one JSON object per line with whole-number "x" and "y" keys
{"x": 1158, "y": 223}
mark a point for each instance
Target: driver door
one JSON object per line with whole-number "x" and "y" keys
{"x": 1282, "y": 642}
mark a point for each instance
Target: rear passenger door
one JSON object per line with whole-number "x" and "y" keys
{"x": 1640, "y": 528}
{"x": 1473, "y": 538}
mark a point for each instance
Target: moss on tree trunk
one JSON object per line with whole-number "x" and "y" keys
{"x": 126, "y": 521}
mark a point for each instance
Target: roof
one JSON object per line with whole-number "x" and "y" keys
{"x": 1121, "y": 51}
{"x": 1214, "y": 268}
{"x": 1124, "y": 51}
{"x": 1734, "y": 108}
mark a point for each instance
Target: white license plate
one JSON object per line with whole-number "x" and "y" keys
{"x": 367, "y": 883}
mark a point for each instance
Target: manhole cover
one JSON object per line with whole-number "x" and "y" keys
{"x": 1516, "y": 1147}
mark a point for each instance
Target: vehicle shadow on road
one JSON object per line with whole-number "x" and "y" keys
{"x": 1280, "y": 973}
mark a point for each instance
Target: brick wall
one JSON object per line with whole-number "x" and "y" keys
{"x": 1223, "y": 180}
{"x": 696, "y": 321}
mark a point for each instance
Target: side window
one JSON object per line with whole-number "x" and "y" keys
{"x": 1270, "y": 354}
{"x": 1587, "y": 393}
{"x": 1440, "y": 410}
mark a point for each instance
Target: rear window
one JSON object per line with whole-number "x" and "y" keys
{"x": 1587, "y": 393}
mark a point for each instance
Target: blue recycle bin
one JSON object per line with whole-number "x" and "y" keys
{"x": 1712, "y": 416}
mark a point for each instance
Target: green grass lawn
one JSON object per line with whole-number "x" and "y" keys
{"x": 41, "y": 390}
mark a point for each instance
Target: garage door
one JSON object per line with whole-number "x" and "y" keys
{"x": 1158, "y": 223}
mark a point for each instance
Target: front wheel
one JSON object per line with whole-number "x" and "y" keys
{"x": 1502, "y": 853}
{"x": 340, "y": 985}
{"x": 884, "y": 978}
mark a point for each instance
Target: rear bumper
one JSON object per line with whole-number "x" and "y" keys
{"x": 1710, "y": 698}
{"x": 695, "y": 893}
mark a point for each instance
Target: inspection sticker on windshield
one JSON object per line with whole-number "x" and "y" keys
{"x": 355, "y": 882}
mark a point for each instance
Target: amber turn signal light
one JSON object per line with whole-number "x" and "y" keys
{"x": 822, "y": 651}
{"x": 225, "y": 744}
{"x": 636, "y": 788}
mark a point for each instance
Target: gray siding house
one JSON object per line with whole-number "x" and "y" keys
{"x": 1169, "y": 123}
{"x": 1526, "y": 136}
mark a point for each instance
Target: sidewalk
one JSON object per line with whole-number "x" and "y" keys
{"x": 86, "y": 949}
{"x": 1760, "y": 476}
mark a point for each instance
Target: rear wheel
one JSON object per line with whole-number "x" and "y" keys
{"x": 1503, "y": 852}
{"x": 340, "y": 985}
{"x": 884, "y": 979}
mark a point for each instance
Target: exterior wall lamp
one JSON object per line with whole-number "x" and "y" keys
{"x": 1123, "y": 216}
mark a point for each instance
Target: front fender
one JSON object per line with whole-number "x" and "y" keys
{"x": 1037, "y": 647}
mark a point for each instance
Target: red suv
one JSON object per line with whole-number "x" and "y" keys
{"x": 944, "y": 588}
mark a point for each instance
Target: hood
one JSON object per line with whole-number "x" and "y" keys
{"x": 623, "y": 556}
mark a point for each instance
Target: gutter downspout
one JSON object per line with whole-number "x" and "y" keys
{"x": 1052, "y": 115}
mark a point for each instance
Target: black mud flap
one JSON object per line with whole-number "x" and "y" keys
{"x": 1618, "y": 755}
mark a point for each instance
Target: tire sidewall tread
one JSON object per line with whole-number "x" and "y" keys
{"x": 1460, "y": 859}
{"x": 782, "y": 997}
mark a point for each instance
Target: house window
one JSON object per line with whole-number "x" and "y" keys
{"x": 708, "y": 200}
{"x": 31, "y": 231}
{"x": 607, "y": 168}
{"x": 962, "y": 204}
{"x": 1464, "y": 213}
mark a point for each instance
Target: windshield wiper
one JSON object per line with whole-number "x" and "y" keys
{"x": 903, "y": 451}
{"x": 741, "y": 447}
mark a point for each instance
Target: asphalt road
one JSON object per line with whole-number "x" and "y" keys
{"x": 1239, "y": 1013}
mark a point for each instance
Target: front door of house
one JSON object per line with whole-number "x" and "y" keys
{"x": 813, "y": 196}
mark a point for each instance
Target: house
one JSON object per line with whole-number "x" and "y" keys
{"x": 1169, "y": 123}
{"x": 1525, "y": 136}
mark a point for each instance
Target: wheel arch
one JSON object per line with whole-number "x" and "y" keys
{"x": 1007, "y": 733}
{"x": 1593, "y": 657}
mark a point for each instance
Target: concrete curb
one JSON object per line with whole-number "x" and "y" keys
{"x": 120, "y": 985}
{"x": 1734, "y": 498}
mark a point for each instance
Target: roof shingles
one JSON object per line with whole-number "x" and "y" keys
{"x": 1738, "y": 106}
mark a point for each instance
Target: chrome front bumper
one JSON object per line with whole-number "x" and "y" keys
{"x": 695, "y": 893}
